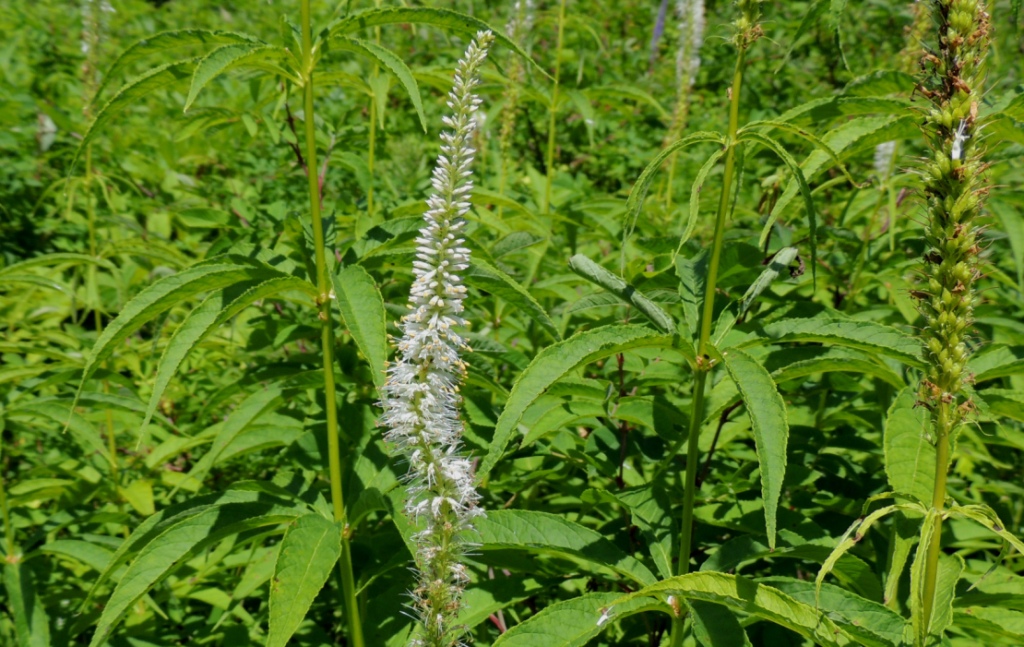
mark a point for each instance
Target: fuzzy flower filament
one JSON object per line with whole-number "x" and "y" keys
{"x": 421, "y": 396}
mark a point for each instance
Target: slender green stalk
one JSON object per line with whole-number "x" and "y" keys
{"x": 549, "y": 159}
{"x": 748, "y": 32}
{"x": 8, "y": 528}
{"x": 355, "y": 629}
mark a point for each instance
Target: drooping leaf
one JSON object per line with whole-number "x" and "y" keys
{"x": 167, "y": 292}
{"x": 598, "y": 275}
{"x": 239, "y": 54}
{"x": 638, "y": 193}
{"x": 801, "y": 181}
{"x": 444, "y": 18}
{"x": 747, "y": 596}
{"x": 212, "y": 313}
{"x": 484, "y": 276}
{"x": 392, "y": 62}
{"x": 168, "y": 41}
{"x": 779, "y": 264}
{"x": 362, "y": 310}
{"x": 155, "y": 79}
{"x": 178, "y": 541}
{"x": 309, "y": 551}
{"x": 549, "y": 533}
{"x": 559, "y": 359}
{"x": 770, "y": 426}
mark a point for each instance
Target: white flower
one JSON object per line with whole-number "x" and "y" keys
{"x": 691, "y": 38}
{"x": 421, "y": 397}
{"x": 960, "y": 137}
{"x": 883, "y": 159}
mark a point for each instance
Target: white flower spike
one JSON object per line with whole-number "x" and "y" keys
{"x": 421, "y": 397}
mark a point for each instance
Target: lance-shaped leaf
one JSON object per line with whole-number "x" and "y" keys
{"x": 49, "y": 260}
{"x": 549, "y": 533}
{"x": 309, "y": 551}
{"x": 557, "y": 360}
{"x": 715, "y": 625}
{"x": 392, "y": 62}
{"x": 179, "y": 541}
{"x": 909, "y": 456}
{"x": 779, "y": 263}
{"x": 274, "y": 59}
{"x": 165, "y": 293}
{"x": 31, "y": 625}
{"x": 444, "y": 18}
{"x": 362, "y": 309}
{"x": 746, "y": 596}
{"x": 643, "y": 183}
{"x": 169, "y": 41}
{"x": 570, "y": 623}
{"x": 769, "y": 424}
{"x": 57, "y": 413}
{"x": 598, "y": 275}
{"x": 826, "y": 329}
{"x": 212, "y": 313}
{"x": 484, "y": 276}
{"x": 138, "y": 87}
{"x": 801, "y": 181}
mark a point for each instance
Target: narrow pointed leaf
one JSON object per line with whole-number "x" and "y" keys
{"x": 238, "y": 54}
{"x": 362, "y": 309}
{"x": 31, "y": 625}
{"x": 308, "y": 554}
{"x": 393, "y": 63}
{"x": 550, "y": 533}
{"x": 445, "y": 18}
{"x": 569, "y": 623}
{"x": 909, "y": 455}
{"x": 557, "y": 360}
{"x": 598, "y": 275}
{"x": 484, "y": 276}
{"x": 168, "y": 41}
{"x": 212, "y": 313}
{"x": 769, "y": 424}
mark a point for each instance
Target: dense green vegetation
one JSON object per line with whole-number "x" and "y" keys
{"x": 745, "y": 299}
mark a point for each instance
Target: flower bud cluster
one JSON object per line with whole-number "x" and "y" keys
{"x": 421, "y": 396}
{"x": 748, "y": 25}
{"x": 954, "y": 188}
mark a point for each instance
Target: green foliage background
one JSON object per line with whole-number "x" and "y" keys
{"x": 579, "y": 440}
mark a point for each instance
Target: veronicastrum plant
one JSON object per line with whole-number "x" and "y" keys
{"x": 674, "y": 409}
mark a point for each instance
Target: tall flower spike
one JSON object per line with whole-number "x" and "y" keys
{"x": 421, "y": 397}
{"x": 691, "y": 37}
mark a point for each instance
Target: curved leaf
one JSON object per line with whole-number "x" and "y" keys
{"x": 309, "y": 551}
{"x": 233, "y": 55}
{"x": 59, "y": 258}
{"x": 166, "y": 41}
{"x": 747, "y": 596}
{"x": 557, "y": 360}
{"x": 801, "y": 181}
{"x": 176, "y": 543}
{"x": 392, "y": 62}
{"x": 639, "y": 191}
{"x": 569, "y": 623}
{"x": 362, "y": 309}
{"x": 211, "y": 314}
{"x": 598, "y": 275}
{"x": 769, "y": 424}
{"x": 550, "y": 533}
{"x": 444, "y": 18}
{"x": 484, "y": 276}
{"x": 140, "y": 86}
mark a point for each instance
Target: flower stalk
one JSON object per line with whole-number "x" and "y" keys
{"x": 421, "y": 397}
{"x": 954, "y": 190}
{"x": 690, "y": 14}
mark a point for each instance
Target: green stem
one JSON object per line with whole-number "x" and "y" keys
{"x": 704, "y": 365}
{"x": 943, "y": 427}
{"x": 355, "y": 629}
{"x": 8, "y": 529}
{"x": 549, "y": 159}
